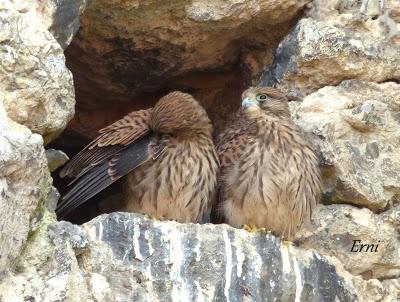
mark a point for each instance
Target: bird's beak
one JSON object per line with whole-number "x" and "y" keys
{"x": 249, "y": 104}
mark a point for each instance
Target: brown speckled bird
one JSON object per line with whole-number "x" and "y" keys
{"x": 269, "y": 174}
{"x": 167, "y": 154}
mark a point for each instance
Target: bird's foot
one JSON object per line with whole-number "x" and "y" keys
{"x": 156, "y": 218}
{"x": 254, "y": 229}
{"x": 250, "y": 228}
{"x": 286, "y": 241}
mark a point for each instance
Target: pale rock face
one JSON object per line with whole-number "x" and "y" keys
{"x": 125, "y": 257}
{"x": 36, "y": 99}
{"x": 37, "y": 87}
{"x": 339, "y": 40}
{"x": 55, "y": 159}
{"x": 130, "y": 46}
{"x": 374, "y": 290}
{"x": 47, "y": 269}
{"x": 334, "y": 229}
{"x": 355, "y": 128}
{"x": 24, "y": 184}
{"x": 240, "y": 11}
{"x": 60, "y": 17}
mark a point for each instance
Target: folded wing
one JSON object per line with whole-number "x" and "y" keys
{"x": 111, "y": 140}
{"x": 120, "y": 148}
{"x": 230, "y": 142}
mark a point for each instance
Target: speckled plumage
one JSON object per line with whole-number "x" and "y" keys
{"x": 269, "y": 173}
{"x": 166, "y": 153}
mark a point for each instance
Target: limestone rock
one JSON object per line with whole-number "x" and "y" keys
{"x": 24, "y": 184}
{"x": 209, "y": 262}
{"x": 356, "y": 130}
{"x": 47, "y": 269}
{"x": 60, "y": 17}
{"x": 37, "y": 88}
{"x": 341, "y": 39}
{"x": 55, "y": 159}
{"x": 124, "y": 257}
{"x": 335, "y": 230}
{"x": 138, "y": 45}
{"x": 374, "y": 290}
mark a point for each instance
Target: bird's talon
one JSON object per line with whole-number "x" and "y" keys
{"x": 250, "y": 228}
{"x": 254, "y": 229}
{"x": 247, "y": 228}
{"x": 156, "y": 218}
{"x": 288, "y": 242}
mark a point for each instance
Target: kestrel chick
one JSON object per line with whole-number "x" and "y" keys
{"x": 167, "y": 154}
{"x": 269, "y": 173}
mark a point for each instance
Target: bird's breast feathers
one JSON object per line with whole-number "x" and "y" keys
{"x": 274, "y": 160}
{"x": 179, "y": 185}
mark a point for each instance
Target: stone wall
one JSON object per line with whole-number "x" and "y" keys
{"x": 339, "y": 58}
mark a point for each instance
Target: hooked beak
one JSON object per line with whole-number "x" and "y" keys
{"x": 249, "y": 103}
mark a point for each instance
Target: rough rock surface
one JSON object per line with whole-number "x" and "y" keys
{"x": 36, "y": 99}
{"x": 24, "y": 184}
{"x": 375, "y": 290}
{"x": 145, "y": 42}
{"x": 60, "y": 17}
{"x": 136, "y": 45}
{"x": 341, "y": 39}
{"x": 124, "y": 257}
{"x": 55, "y": 159}
{"x": 211, "y": 49}
{"x": 37, "y": 87}
{"x": 356, "y": 130}
{"x": 334, "y": 229}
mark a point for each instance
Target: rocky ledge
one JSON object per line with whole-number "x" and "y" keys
{"x": 127, "y": 257}
{"x": 342, "y": 56}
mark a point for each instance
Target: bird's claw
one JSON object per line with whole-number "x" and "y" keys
{"x": 254, "y": 229}
{"x": 250, "y": 228}
{"x": 156, "y": 218}
{"x": 288, "y": 242}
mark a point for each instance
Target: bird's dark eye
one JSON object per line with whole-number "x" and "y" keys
{"x": 261, "y": 97}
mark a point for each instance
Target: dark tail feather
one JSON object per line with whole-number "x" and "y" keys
{"x": 93, "y": 180}
{"x": 85, "y": 187}
{"x": 89, "y": 158}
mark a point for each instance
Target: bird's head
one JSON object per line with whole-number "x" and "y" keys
{"x": 258, "y": 101}
{"x": 179, "y": 113}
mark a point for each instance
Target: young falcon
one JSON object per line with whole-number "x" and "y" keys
{"x": 167, "y": 154}
{"x": 269, "y": 174}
